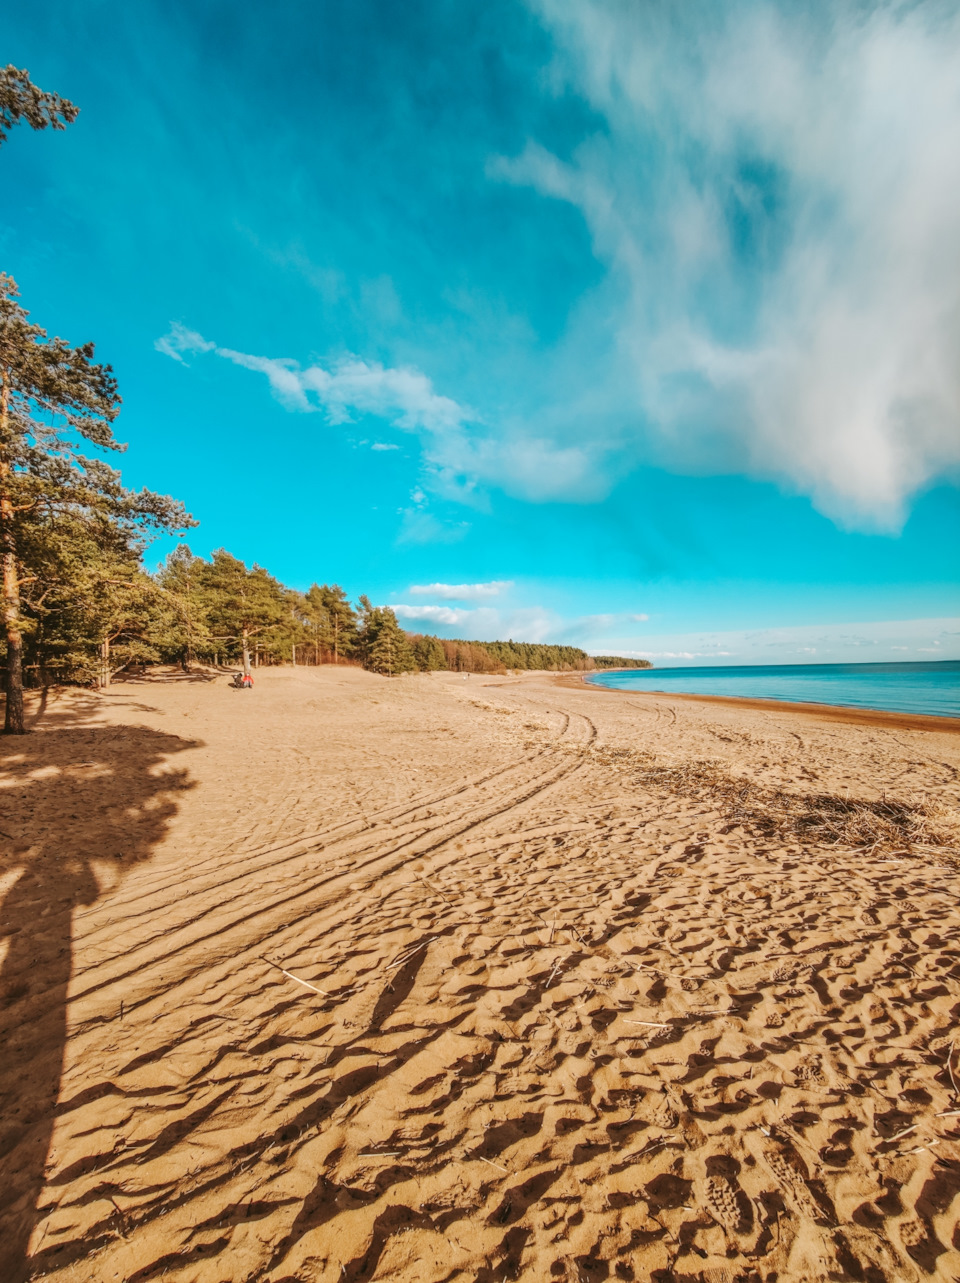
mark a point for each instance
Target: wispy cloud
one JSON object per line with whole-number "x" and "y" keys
{"x": 180, "y": 340}
{"x": 828, "y": 643}
{"x": 420, "y": 527}
{"x": 462, "y": 592}
{"x": 775, "y": 193}
{"x": 405, "y": 397}
{"x": 433, "y": 614}
{"x": 456, "y": 461}
{"x": 530, "y": 623}
{"x": 676, "y": 654}
{"x": 458, "y": 456}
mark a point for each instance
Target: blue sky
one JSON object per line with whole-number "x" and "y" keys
{"x": 644, "y": 317}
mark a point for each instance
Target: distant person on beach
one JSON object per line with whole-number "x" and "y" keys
{"x": 247, "y": 682}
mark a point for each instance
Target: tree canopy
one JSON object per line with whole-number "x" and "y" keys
{"x": 21, "y": 99}
{"x": 69, "y": 530}
{"x": 384, "y": 645}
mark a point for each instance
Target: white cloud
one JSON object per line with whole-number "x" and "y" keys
{"x": 668, "y": 654}
{"x": 662, "y": 654}
{"x": 530, "y": 465}
{"x": 873, "y": 642}
{"x": 403, "y": 396}
{"x": 775, "y": 192}
{"x": 640, "y": 619}
{"x": 420, "y": 527}
{"x": 383, "y": 445}
{"x": 432, "y": 614}
{"x": 524, "y": 464}
{"x": 530, "y": 624}
{"x": 462, "y": 592}
{"x": 181, "y": 340}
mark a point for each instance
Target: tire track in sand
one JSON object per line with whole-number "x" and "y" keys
{"x": 285, "y": 909}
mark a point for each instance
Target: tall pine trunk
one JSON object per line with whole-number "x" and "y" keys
{"x": 13, "y": 724}
{"x": 246, "y": 655}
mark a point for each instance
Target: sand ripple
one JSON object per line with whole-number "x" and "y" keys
{"x": 535, "y": 1013}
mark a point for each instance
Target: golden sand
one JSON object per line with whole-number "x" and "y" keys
{"x": 475, "y": 979}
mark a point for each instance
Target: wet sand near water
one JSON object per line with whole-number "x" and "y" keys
{"x": 849, "y": 714}
{"x": 438, "y": 978}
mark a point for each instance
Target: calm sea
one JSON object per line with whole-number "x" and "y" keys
{"x": 902, "y": 688}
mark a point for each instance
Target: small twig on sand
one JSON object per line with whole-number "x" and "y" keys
{"x": 649, "y": 1024}
{"x": 953, "y": 1080}
{"x": 435, "y": 890}
{"x": 291, "y": 976}
{"x": 906, "y": 1132}
{"x": 653, "y": 1145}
{"x": 489, "y": 1164}
{"x": 411, "y": 953}
{"x": 659, "y": 971}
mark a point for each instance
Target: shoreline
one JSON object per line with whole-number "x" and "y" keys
{"x": 852, "y": 716}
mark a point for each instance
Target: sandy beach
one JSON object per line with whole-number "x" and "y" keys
{"x": 434, "y": 978}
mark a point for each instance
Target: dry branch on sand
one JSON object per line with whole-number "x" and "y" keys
{"x": 820, "y": 819}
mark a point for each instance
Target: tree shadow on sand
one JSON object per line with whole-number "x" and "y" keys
{"x": 77, "y": 802}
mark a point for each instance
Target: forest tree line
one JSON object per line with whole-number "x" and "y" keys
{"x": 77, "y": 602}
{"x": 89, "y": 616}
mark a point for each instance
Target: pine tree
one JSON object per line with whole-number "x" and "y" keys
{"x": 291, "y": 633}
{"x": 343, "y": 620}
{"x": 50, "y": 394}
{"x": 21, "y": 99}
{"x": 385, "y": 646}
{"x": 317, "y": 620}
{"x": 86, "y": 604}
{"x": 429, "y": 654}
{"x": 240, "y": 603}
{"x": 121, "y": 608}
{"x": 182, "y": 628}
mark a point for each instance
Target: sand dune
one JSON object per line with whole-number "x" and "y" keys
{"x": 435, "y": 979}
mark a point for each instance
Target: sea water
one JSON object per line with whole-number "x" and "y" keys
{"x": 902, "y": 688}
